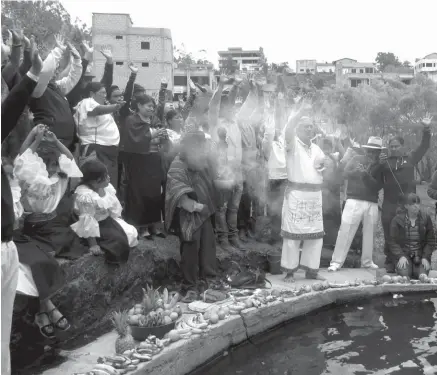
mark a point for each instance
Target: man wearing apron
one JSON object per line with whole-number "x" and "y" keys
{"x": 302, "y": 216}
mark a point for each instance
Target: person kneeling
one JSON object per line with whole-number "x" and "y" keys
{"x": 412, "y": 239}
{"x": 189, "y": 207}
{"x": 99, "y": 212}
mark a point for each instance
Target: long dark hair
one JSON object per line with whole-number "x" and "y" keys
{"x": 141, "y": 99}
{"x": 93, "y": 171}
{"x": 93, "y": 87}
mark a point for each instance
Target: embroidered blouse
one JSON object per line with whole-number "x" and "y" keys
{"x": 39, "y": 192}
{"x": 92, "y": 208}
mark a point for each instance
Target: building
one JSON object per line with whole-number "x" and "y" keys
{"x": 243, "y": 60}
{"x": 427, "y": 66}
{"x": 201, "y": 74}
{"x": 325, "y": 68}
{"x": 353, "y": 73}
{"x": 306, "y": 66}
{"x": 151, "y": 49}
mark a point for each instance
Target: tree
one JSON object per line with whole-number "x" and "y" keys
{"x": 407, "y": 64}
{"x": 383, "y": 59}
{"x": 181, "y": 56}
{"x": 44, "y": 19}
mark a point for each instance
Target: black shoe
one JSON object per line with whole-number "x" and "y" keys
{"x": 235, "y": 242}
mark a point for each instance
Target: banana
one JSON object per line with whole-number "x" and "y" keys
{"x": 115, "y": 359}
{"x": 145, "y": 345}
{"x": 131, "y": 367}
{"x": 145, "y": 351}
{"x": 99, "y": 372}
{"x": 142, "y": 357}
{"x": 109, "y": 369}
{"x": 196, "y": 331}
{"x": 159, "y": 343}
{"x": 128, "y": 353}
{"x": 135, "y": 362}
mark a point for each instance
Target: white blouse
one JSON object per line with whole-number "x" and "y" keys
{"x": 102, "y": 129}
{"x": 39, "y": 192}
{"x": 92, "y": 208}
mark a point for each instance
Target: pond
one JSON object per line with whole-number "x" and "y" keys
{"x": 381, "y": 336}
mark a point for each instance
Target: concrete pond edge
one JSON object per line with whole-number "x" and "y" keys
{"x": 185, "y": 356}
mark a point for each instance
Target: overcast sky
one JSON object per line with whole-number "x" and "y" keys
{"x": 287, "y": 30}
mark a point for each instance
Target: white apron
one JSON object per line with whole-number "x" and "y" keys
{"x": 302, "y": 214}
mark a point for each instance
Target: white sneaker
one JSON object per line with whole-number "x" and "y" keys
{"x": 333, "y": 268}
{"x": 371, "y": 266}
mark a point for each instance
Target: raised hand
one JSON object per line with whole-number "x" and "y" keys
{"x": 60, "y": 42}
{"x": 26, "y": 43}
{"x": 105, "y": 51}
{"x": 73, "y": 51}
{"x": 192, "y": 85}
{"x": 16, "y": 38}
{"x": 36, "y": 61}
{"x": 133, "y": 68}
{"x": 426, "y": 121}
{"x": 425, "y": 264}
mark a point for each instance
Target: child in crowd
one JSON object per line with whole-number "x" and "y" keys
{"x": 412, "y": 239}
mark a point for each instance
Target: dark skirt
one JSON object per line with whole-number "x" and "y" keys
{"x": 37, "y": 243}
{"x": 113, "y": 241}
{"x": 144, "y": 176}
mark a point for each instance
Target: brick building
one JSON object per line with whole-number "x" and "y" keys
{"x": 151, "y": 49}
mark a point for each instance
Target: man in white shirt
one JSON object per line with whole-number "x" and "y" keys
{"x": 302, "y": 218}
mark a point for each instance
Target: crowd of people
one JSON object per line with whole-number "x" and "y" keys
{"x": 101, "y": 168}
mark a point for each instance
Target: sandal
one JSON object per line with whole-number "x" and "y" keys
{"x": 191, "y": 296}
{"x": 62, "y": 323}
{"x": 48, "y": 330}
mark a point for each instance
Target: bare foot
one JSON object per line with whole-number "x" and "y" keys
{"x": 289, "y": 278}
{"x": 314, "y": 276}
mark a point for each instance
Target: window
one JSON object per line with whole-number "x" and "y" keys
{"x": 180, "y": 80}
{"x": 429, "y": 65}
{"x": 354, "y": 70}
{"x": 361, "y": 70}
{"x": 369, "y": 70}
{"x": 145, "y": 65}
{"x": 119, "y": 63}
{"x": 145, "y": 45}
{"x": 302, "y": 70}
{"x": 119, "y": 37}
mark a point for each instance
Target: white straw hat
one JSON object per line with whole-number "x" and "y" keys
{"x": 374, "y": 142}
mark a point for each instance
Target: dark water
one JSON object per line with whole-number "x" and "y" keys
{"x": 380, "y": 336}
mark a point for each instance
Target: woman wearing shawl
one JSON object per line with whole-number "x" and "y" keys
{"x": 189, "y": 207}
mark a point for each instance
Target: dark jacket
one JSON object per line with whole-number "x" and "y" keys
{"x": 363, "y": 186}
{"x": 403, "y": 169}
{"x": 432, "y": 189}
{"x": 12, "y": 107}
{"x": 124, "y": 112}
{"x": 397, "y": 237}
{"x": 136, "y": 137}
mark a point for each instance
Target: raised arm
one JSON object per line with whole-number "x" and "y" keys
{"x": 420, "y": 152}
{"x": 269, "y": 133}
{"x": 105, "y": 109}
{"x": 128, "y": 91}
{"x": 109, "y": 68}
{"x": 68, "y": 83}
{"x": 33, "y": 139}
{"x": 250, "y": 104}
{"x": 10, "y": 70}
{"x": 49, "y": 67}
{"x": 27, "y": 56}
{"x": 15, "y": 102}
{"x": 214, "y": 104}
{"x": 185, "y": 112}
